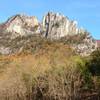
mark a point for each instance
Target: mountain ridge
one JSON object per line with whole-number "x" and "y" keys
{"x": 54, "y": 26}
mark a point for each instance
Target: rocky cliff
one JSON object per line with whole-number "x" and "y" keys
{"x": 21, "y": 25}
{"x": 19, "y": 31}
{"x": 57, "y": 26}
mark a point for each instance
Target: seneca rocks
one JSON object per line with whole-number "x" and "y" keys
{"x": 57, "y": 26}
{"x": 54, "y": 26}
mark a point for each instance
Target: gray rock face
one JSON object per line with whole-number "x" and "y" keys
{"x": 56, "y": 26}
{"x": 21, "y": 25}
{"x": 16, "y": 32}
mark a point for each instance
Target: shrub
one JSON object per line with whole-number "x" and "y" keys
{"x": 84, "y": 71}
{"x": 63, "y": 82}
{"x": 52, "y": 72}
{"x": 94, "y": 63}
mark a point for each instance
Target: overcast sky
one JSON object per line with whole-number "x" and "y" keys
{"x": 86, "y": 12}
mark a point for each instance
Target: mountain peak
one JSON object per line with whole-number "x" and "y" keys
{"x": 58, "y": 25}
{"x": 21, "y": 25}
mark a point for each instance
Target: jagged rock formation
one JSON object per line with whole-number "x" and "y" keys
{"x": 20, "y": 30}
{"x": 21, "y": 25}
{"x": 57, "y": 26}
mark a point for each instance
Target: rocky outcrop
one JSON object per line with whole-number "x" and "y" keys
{"x": 21, "y": 25}
{"x": 14, "y": 27}
{"x": 56, "y": 26}
{"x": 20, "y": 30}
